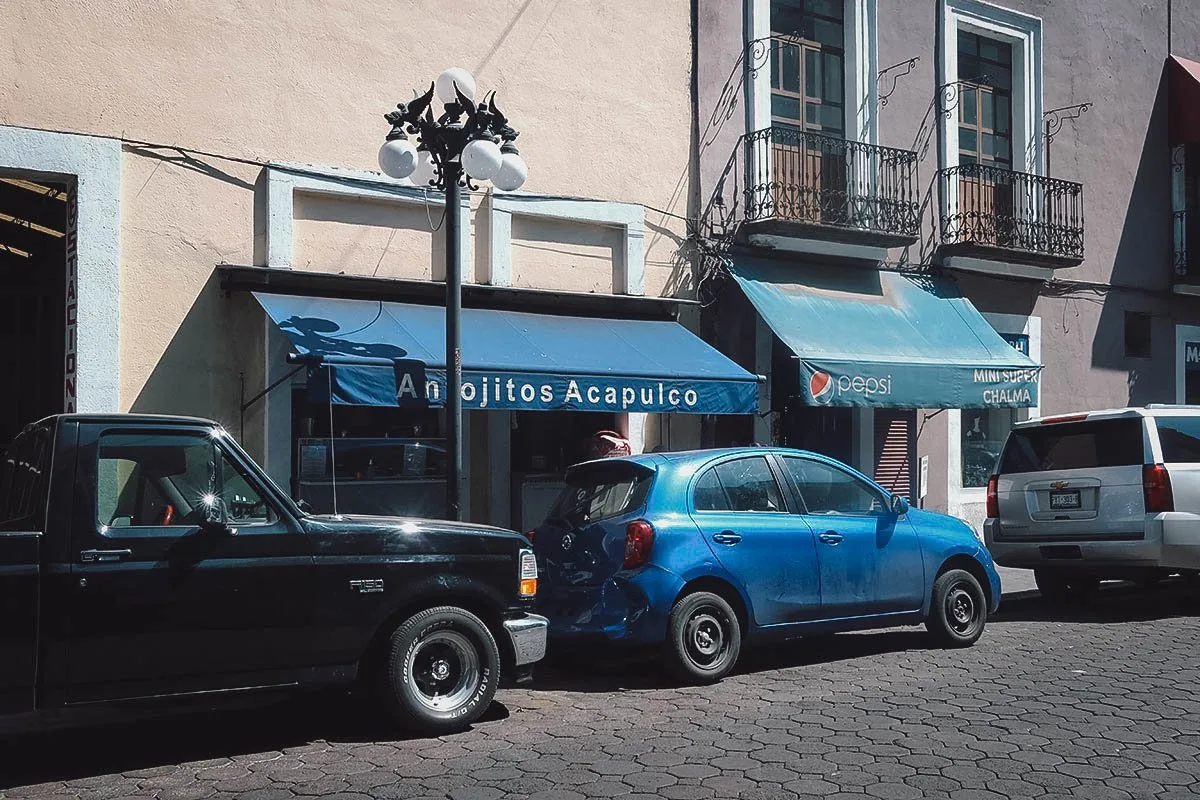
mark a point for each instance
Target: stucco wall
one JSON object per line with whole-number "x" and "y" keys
{"x": 599, "y": 91}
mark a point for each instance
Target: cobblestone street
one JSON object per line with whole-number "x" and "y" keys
{"x": 1101, "y": 704}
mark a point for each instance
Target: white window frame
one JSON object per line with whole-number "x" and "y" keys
{"x": 1183, "y": 335}
{"x": 960, "y": 499}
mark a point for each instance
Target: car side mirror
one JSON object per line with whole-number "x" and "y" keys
{"x": 304, "y": 506}
{"x": 216, "y": 516}
{"x": 899, "y": 505}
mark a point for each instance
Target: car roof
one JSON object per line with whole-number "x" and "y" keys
{"x": 684, "y": 458}
{"x": 118, "y": 418}
{"x": 1152, "y": 410}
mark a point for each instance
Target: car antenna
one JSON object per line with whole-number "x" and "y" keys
{"x": 332, "y": 451}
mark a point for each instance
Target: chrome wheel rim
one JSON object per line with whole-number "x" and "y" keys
{"x": 443, "y": 670}
{"x": 962, "y": 611}
{"x": 706, "y": 637}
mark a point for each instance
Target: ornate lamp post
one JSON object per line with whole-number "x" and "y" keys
{"x": 467, "y": 142}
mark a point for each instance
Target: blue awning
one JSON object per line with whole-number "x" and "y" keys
{"x": 511, "y": 360}
{"x": 867, "y": 337}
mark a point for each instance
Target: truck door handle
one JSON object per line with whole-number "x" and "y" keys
{"x": 90, "y": 556}
{"x": 726, "y": 537}
{"x": 830, "y": 537}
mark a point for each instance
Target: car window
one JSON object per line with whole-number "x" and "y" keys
{"x": 825, "y": 489}
{"x": 745, "y": 484}
{"x": 1074, "y": 445}
{"x": 162, "y": 480}
{"x": 1180, "y": 439}
{"x": 602, "y": 492}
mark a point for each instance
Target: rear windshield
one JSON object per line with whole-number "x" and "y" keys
{"x": 1180, "y": 438}
{"x": 1074, "y": 445}
{"x": 602, "y": 492}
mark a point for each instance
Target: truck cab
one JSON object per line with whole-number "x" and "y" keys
{"x": 149, "y": 558}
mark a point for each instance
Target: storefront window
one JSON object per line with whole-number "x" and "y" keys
{"x": 983, "y": 433}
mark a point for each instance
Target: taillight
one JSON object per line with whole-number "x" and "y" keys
{"x": 993, "y": 497}
{"x": 639, "y": 538}
{"x": 1156, "y": 489}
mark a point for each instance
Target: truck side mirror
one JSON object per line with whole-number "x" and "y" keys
{"x": 216, "y": 516}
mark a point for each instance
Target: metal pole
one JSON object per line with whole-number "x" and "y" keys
{"x": 454, "y": 456}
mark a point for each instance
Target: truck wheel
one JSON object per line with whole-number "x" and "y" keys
{"x": 1057, "y": 586}
{"x": 958, "y": 610}
{"x": 703, "y": 638}
{"x": 442, "y": 671}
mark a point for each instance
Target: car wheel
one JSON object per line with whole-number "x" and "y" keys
{"x": 442, "y": 671}
{"x": 958, "y": 611}
{"x": 704, "y": 638}
{"x": 1063, "y": 587}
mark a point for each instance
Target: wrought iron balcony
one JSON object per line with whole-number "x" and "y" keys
{"x": 786, "y": 182}
{"x": 1002, "y": 215}
{"x": 1185, "y": 223}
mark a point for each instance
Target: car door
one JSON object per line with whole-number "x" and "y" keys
{"x": 739, "y": 506}
{"x": 870, "y": 558}
{"x": 163, "y": 606}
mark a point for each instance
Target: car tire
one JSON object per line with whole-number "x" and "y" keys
{"x": 442, "y": 670}
{"x": 1057, "y": 586}
{"x": 704, "y": 638}
{"x": 958, "y": 610}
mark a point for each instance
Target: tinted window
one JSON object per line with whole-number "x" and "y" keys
{"x": 603, "y": 492}
{"x": 1074, "y": 445}
{"x": 1180, "y": 438}
{"x": 24, "y": 470}
{"x": 746, "y": 484}
{"x": 156, "y": 480}
{"x": 829, "y": 490}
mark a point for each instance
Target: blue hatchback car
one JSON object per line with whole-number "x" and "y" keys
{"x": 700, "y": 551}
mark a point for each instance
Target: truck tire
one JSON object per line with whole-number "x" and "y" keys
{"x": 704, "y": 638}
{"x": 442, "y": 670}
{"x": 958, "y": 611}
{"x": 1058, "y": 586}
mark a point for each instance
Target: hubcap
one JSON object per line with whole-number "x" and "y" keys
{"x": 960, "y": 609}
{"x": 443, "y": 670}
{"x": 706, "y": 638}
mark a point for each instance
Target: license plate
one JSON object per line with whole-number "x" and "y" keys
{"x": 1064, "y": 500}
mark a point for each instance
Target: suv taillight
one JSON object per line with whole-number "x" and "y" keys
{"x": 639, "y": 538}
{"x": 1156, "y": 489}
{"x": 993, "y": 497}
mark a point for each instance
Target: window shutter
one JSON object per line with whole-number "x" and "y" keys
{"x": 895, "y": 434}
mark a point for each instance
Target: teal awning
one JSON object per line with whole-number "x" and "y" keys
{"x": 870, "y": 337}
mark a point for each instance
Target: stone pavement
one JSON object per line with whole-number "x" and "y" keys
{"x": 1099, "y": 704}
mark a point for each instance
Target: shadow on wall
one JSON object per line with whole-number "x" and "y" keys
{"x": 1143, "y": 260}
{"x": 199, "y": 372}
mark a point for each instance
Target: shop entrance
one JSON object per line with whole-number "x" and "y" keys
{"x": 822, "y": 429}
{"x": 33, "y": 286}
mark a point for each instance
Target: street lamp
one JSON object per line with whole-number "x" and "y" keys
{"x": 468, "y": 142}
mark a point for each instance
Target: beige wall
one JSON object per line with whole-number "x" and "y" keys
{"x": 599, "y": 91}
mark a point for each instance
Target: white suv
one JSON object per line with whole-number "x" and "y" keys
{"x": 1106, "y": 494}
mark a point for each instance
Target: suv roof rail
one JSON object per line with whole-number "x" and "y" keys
{"x": 1173, "y": 405}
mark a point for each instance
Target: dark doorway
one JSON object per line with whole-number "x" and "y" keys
{"x": 822, "y": 429}
{"x": 33, "y": 282}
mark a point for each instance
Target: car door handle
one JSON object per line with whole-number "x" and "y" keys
{"x": 830, "y": 537}
{"x": 90, "y": 556}
{"x": 727, "y": 537}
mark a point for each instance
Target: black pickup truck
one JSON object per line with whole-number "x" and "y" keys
{"x": 147, "y": 558}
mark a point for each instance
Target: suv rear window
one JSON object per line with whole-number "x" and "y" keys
{"x": 1180, "y": 438}
{"x": 1074, "y": 445}
{"x": 601, "y": 492}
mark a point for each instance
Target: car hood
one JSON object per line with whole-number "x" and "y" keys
{"x": 943, "y": 524}
{"x": 370, "y": 534}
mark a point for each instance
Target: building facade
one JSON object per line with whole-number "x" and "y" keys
{"x": 1028, "y": 161}
{"x": 182, "y": 177}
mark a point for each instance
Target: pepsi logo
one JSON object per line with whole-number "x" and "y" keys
{"x": 820, "y": 384}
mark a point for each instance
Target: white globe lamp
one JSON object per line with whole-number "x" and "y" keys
{"x": 398, "y": 158}
{"x": 444, "y": 85}
{"x": 425, "y": 170}
{"x": 513, "y": 171}
{"x": 481, "y": 159}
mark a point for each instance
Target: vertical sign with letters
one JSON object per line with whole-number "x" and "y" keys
{"x": 71, "y": 319}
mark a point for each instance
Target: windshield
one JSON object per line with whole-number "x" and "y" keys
{"x": 601, "y": 493}
{"x": 1074, "y": 445}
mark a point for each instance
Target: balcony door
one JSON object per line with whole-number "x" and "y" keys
{"x": 808, "y": 156}
{"x": 986, "y": 199}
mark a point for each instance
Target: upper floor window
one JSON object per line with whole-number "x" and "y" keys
{"x": 808, "y": 65}
{"x": 985, "y": 67}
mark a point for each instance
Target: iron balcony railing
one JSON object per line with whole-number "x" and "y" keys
{"x": 993, "y": 207}
{"x": 1184, "y": 223}
{"x": 813, "y": 179}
